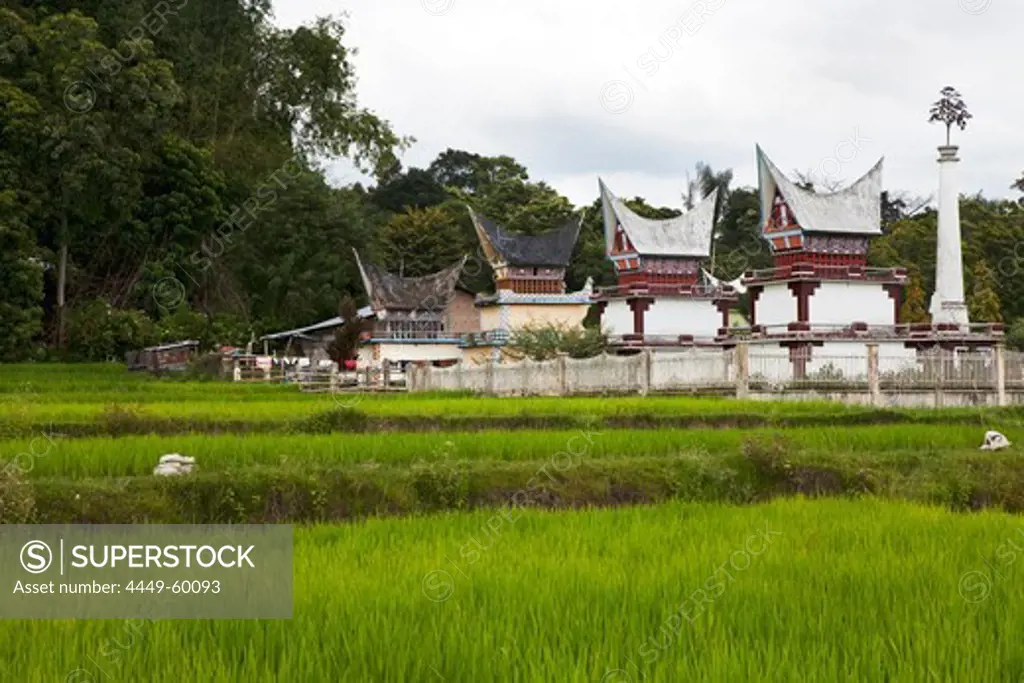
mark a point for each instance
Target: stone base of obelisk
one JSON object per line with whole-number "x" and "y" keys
{"x": 949, "y": 313}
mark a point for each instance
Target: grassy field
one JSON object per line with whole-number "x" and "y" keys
{"x": 55, "y": 456}
{"x": 413, "y": 581}
{"x": 790, "y": 591}
{"x": 105, "y": 399}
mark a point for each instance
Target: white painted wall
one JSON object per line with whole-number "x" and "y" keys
{"x": 769, "y": 361}
{"x": 894, "y": 357}
{"x": 515, "y": 315}
{"x": 674, "y": 370}
{"x": 682, "y": 316}
{"x": 404, "y": 352}
{"x": 841, "y": 303}
{"x": 617, "y": 318}
{"x": 850, "y": 358}
{"x": 833, "y": 303}
{"x": 776, "y": 305}
{"x": 568, "y": 315}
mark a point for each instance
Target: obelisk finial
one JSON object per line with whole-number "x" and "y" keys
{"x": 950, "y": 110}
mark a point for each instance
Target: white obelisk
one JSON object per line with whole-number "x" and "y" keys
{"x": 948, "y": 300}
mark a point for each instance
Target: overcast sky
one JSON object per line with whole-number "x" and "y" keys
{"x": 639, "y": 92}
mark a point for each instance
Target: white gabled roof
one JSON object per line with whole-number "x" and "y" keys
{"x": 686, "y": 235}
{"x": 857, "y": 210}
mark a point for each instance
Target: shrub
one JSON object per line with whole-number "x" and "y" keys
{"x": 545, "y": 342}
{"x": 97, "y": 331}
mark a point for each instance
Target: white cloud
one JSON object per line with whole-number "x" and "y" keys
{"x": 525, "y": 77}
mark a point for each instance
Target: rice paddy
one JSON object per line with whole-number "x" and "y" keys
{"x": 36, "y": 398}
{"x": 856, "y": 587}
{"x": 51, "y": 455}
{"x": 789, "y": 591}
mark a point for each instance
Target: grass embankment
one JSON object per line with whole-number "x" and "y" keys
{"x": 791, "y": 591}
{"x": 99, "y": 481}
{"x": 48, "y": 457}
{"x": 94, "y": 400}
{"x": 345, "y": 413}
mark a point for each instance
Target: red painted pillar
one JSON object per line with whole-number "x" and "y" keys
{"x": 803, "y": 291}
{"x": 755, "y": 293}
{"x": 639, "y": 308}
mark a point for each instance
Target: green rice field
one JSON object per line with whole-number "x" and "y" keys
{"x": 788, "y": 591}
{"x": 36, "y": 398}
{"x": 605, "y": 540}
{"x": 135, "y": 455}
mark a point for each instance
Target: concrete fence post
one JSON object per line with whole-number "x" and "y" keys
{"x": 741, "y": 361}
{"x": 874, "y": 385}
{"x": 943, "y": 364}
{"x": 1001, "y": 398}
{"x": 645, "y": 372}
{"x": 563, "y": 374}
{"x": 489, "y": 378}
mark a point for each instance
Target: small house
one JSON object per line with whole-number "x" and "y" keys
{"x": 173, "y": 357}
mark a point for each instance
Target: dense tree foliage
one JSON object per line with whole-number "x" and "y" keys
{"x": 160, "y": 179}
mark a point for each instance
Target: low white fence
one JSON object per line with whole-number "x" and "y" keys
{"x": 993, "y": 376}
{"x": 641, "y": 373}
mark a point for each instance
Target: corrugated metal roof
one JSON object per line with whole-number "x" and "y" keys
{"x": 337, "y": 321}
{"x": 857, "y": 210}
{"x": 172, "y": 345}
{"x": 685, "y": 235}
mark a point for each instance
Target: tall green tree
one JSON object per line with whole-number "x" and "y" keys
{"x": 471, "y": 173}
{"x": 739, "y": 246}
{"x": 423, "y": 241}
{"x": 412, "y": 189}
{"x": 914, "y": 309}
{"x": 94, "y": 121}
{"x": 21, "y": 283}
{"x": 982, "y": 302}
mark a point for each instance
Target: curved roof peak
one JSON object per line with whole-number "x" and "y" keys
{"x": 854, "y": 210}
{"x": 551, "y": 248}
{"x": 687, "y": 235}
{"x": 392, "y": 292}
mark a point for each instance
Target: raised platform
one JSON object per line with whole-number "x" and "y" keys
{"x": 506, "y": 297}
{"x": 637, "y": 342}
{"x": 816, "y": 272}
{"x": 913, "y": 334}
{"x": 698, "y": 292}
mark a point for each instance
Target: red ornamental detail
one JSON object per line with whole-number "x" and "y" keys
{"x": 621, "y": 243}
{"x": 837, "y": 245}
{"x": 781, "y": 218}
{"x": 819, "y": 259}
